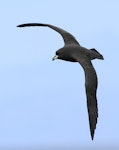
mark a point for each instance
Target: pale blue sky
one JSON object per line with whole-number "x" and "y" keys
{"x": 43, "y": 103}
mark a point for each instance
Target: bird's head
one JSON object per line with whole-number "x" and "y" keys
{"x": 59, "y": 55}
{"x": 64, "y": 54}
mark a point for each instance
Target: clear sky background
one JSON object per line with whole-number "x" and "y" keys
{"x": 43, "y": 102}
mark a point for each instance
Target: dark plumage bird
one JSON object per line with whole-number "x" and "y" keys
{"x": 74, "y": 52}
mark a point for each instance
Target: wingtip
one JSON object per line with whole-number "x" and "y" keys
{"x": 92, "y": 137}
{"x": 19, "y": 25}
{"x": 92, "y": 134}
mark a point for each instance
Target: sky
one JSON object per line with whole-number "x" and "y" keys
{"x": 43, "y": 102}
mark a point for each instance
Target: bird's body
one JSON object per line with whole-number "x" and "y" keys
{"x": 74, "y": 52}
{"x": 80, "y": 51}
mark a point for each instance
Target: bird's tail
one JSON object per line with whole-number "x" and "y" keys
{"x": 95, "y": 54}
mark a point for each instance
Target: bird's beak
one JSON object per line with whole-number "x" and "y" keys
{"x": 55, "y": 57}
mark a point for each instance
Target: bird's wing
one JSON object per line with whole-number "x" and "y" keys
{"x": 68, "y": 38}
{"x": 91, "y": 88}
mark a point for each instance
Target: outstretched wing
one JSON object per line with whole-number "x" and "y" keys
{"x": 91, "y": 88}
{"x": 68, "y": 38}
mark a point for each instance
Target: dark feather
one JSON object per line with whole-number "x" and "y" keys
{"x": 68, "y": 38}
{"x": 91, "y": 89}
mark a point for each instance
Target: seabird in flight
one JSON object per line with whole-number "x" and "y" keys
{"x": 74, "y": 52}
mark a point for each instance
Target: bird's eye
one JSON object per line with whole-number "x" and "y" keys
{"x": 57, "y": 53}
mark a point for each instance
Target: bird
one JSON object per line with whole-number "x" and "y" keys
{"x": 72, "y": 51}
